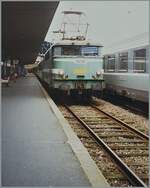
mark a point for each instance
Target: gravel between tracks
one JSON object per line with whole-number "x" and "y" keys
{"x": 136, "y": 121}
{"x": 104, "y": 163}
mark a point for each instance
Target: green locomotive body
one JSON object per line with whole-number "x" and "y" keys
{"x": 73, "y": 67}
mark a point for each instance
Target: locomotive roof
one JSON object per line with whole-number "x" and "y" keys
{"x": 77, "y": 42}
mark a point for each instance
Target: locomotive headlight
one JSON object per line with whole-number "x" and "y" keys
{"x": 98, "y": 73}
{"x": 61, "y": 72}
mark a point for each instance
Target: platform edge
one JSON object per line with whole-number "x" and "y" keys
{"x": 89, "y": 167}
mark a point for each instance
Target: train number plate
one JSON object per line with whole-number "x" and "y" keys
{"x": 80, "y": 71}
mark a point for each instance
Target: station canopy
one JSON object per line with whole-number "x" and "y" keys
{"x": 24, "y": 27}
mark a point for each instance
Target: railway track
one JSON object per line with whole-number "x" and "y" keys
{"x": 126, "y": 147}
{"x": 134, "y": 106}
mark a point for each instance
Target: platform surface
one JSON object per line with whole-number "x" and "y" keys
{"x": 35, "y": 151}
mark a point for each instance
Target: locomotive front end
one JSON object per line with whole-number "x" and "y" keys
{"x": 77, "y": 69}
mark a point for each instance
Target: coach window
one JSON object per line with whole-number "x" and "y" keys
{"x": 139, "y": 60}
{"x": 123, "y": 62}
{"x": 111, "y": 63}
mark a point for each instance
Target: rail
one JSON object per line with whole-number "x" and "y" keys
{"x": 142, "y": 135}
{"x": 128, "y": 173}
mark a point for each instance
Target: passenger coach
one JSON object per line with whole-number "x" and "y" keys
{"x": 126, "y": 73}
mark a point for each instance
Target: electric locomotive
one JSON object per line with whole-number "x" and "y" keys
{"x": 73, "y": 65}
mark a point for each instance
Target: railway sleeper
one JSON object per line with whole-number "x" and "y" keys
{"x": 110, "y": 175}
{"x": 133, "y": 154}
{"x": 117, "y": 135}
{"x": 109, "y": 123}
{"x": 89, "y": 118}
{"x": 138, "y": 165}
{"x": 82, "y": 136}
{"x": 104, "y": 127}
{"x": 127, "y": 141}
{"x": 125, "y": 147}
{"x": 68, "y": 117}
{"x": 105, "y": 130}
{"x": 93, "y": 123}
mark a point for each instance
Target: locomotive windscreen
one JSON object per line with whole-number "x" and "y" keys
{"x": 76, "y": 50}
{"x": 89, "y": 51}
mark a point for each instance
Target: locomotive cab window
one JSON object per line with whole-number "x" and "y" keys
{"x": 89, "y": 51}
{"x": 71, "y": 50}
{"x": 123, "y": 62}
{"x": 57, "y": 51}
{"x": 139, "y": 61}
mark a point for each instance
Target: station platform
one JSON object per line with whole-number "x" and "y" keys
{"x": 38, "y": 147}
